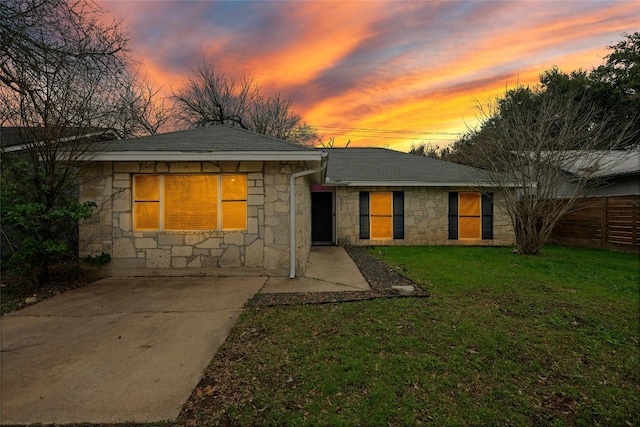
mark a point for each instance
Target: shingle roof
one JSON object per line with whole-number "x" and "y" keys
{"x": 378, "y": 166}
{"x": 215, "y": 143}
{"x": 221, "y": 138}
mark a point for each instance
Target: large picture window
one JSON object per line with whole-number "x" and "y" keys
{"x": 190, "y": 202}
{"x": 382, "y": 215}
{"x": 470, "y": 216}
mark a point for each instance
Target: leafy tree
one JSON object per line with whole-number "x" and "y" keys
{"x": 617, "y": 82}
{"x": 612, "y": 89}
{"x": 209, "y": 98}
{"x": 39, "y": 232}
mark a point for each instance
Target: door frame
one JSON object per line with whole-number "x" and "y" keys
{"x": 332, "y": 190}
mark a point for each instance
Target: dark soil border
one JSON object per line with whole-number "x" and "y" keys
{"x": 380, "y": 276}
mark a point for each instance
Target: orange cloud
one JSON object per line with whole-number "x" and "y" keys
{"x": 445, "y": 105}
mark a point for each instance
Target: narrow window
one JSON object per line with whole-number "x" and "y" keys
{"x": 381, "y": 215}
{"x": 469, "y": 216}
{"x": 234, "y": 202}
{"x": 146, "y": 201}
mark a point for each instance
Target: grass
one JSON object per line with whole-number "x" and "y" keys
{"x": 503, "y": 340}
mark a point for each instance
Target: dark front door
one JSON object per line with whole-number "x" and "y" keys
{"x": 322, "y": 218}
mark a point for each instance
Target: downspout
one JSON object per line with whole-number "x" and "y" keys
{"x": 292, "y": 191}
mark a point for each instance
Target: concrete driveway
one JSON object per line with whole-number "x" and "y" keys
{"x": 117, "y": 350}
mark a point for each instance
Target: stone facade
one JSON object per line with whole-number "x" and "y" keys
{"x": 425, "y": 218}
{"x": 263, "y": 248}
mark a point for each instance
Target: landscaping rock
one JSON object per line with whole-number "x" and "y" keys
{"x": 404, "y": 290}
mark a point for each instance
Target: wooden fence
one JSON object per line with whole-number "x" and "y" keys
{"x": 609, "y": 222}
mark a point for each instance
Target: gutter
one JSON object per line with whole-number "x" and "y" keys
{"x": 413, "y": 184}
{"x": 292, "y": 208}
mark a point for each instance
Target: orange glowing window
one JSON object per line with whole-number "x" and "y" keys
{"x": 381, "y": 213}
{"x": 234, "y": 202}
{"x": 190, "y": 202}
{"x": 146, "y": 196}
{"x": 469, "y": 216}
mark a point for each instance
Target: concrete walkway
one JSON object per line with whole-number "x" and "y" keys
{"x": 116, "y": 350}
{"x": 132, "y": 349}
{"x": 329, "y": 269}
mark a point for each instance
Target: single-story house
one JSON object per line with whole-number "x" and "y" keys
{"x": 218, "y": 201}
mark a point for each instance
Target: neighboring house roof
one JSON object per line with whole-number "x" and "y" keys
{"x": 221, "y": 142}
{"x": 17, "y": 138}
{"x": 379, "y": 167}
{"x": 604, "y": 164}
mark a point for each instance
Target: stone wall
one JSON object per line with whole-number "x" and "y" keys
{"x": 261, "y": 249}
{"x": 425, "y": 218}
{"x": 94, "y": 234}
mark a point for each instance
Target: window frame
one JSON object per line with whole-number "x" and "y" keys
{"x": 373, "y": 215}
{"x": 161, "y": 202}
{"x": 478, "y": 215}
{"x": 486, "y": 216}
{"x": 397, "y": 215}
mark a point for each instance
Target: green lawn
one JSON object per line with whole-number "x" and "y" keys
{"x": 503, "y": 340}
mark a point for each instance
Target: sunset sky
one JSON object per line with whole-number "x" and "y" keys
{"x": 376, "y": 73}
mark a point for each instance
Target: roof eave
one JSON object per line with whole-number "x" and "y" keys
{"x": 409, "y": 184}
{"x": 134, "y": 156}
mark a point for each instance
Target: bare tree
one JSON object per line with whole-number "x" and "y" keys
{"x": 140, "y": 110}
{"x": 61, "y": 71}
{"x": 274, "y": 116}
{"x": 330, "y": 143}
{"x": 39, "y": 36}
{"x": 540, "y": 147}
{"x": 209, "y": 98}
